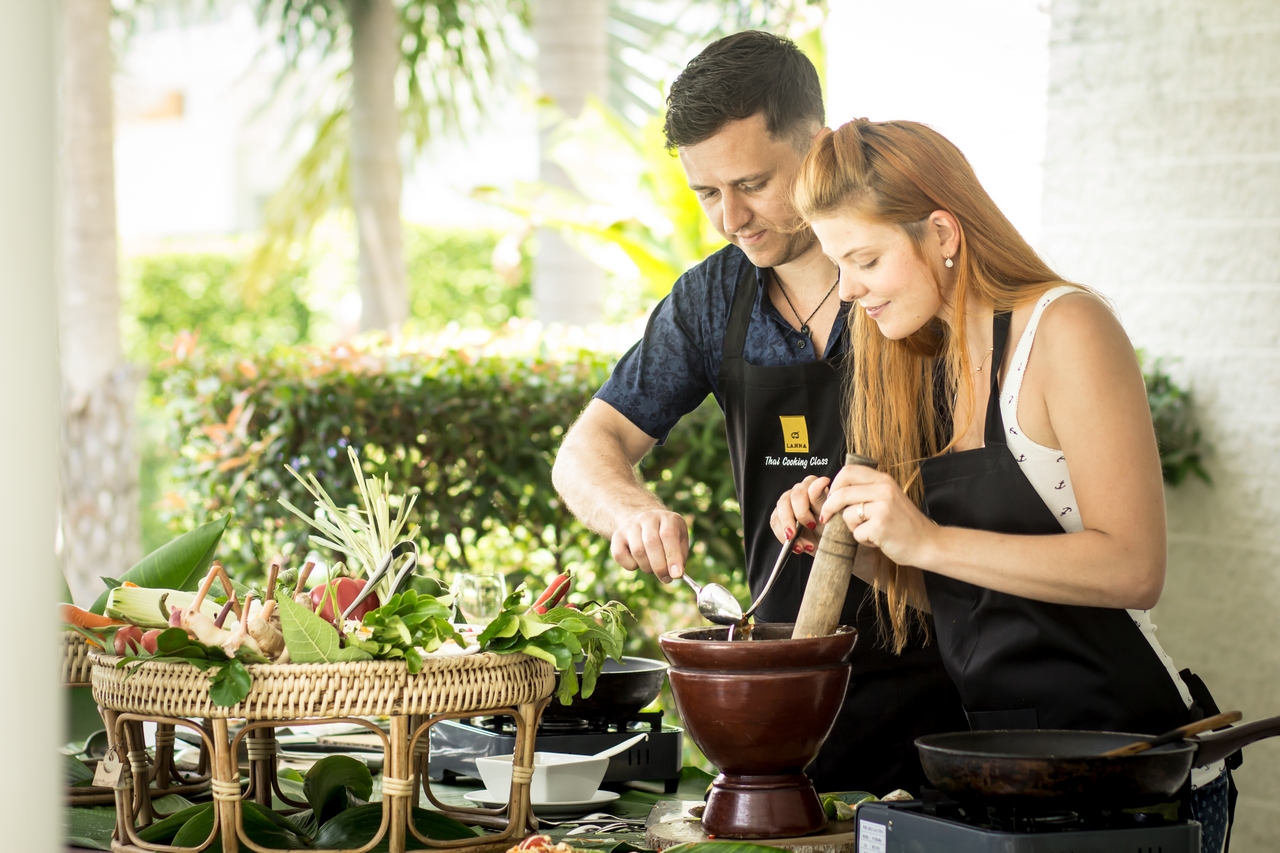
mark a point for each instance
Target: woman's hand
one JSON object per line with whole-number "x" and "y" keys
{"x": 798, "y": 509}
{"x": 879, "y": 514}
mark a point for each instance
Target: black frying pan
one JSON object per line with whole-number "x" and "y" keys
{"x": 1033, "y": 767}
{"x": 622, "y": 688}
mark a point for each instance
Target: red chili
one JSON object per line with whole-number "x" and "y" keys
{"x": 553, "y": 593}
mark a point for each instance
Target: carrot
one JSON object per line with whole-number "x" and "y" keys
{"x": 82, "y": 618}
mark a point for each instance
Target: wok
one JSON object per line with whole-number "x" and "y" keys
{"x": 1039, "y": 766}
{"x": 623, "y": 688}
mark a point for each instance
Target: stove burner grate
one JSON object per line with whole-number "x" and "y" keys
{"x": 641, "y": 721}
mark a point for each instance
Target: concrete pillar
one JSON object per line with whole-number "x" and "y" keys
{"x": 30, "y": 795}
{"x": 1162, "y": 189}
{"x": 572, "y": 66}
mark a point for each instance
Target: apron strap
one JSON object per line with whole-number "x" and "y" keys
{"x": 744, "y": 298}
{"x": 994, "y": 433}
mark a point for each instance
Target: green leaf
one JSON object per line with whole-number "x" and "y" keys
{"x": 163, "y": 831}
{"x": 333, "y": 781}
{"x": 77, "y": 773}
{"x": 310, "y": 639}
{"x": 177, "y": 565}
{"x": 720, "y": 847}
{"x": 196, "y": 830}
{"x": 267, "y": 829}
{"x": 90, "y": 828}
{"x": 356, "y": 827}
{"x": 843, "y": 805}
{"x": 230, "y": 685}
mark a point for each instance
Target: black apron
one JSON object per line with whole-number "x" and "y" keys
{"x": 784, "y": 423}
{"x": 1021, "y": 663}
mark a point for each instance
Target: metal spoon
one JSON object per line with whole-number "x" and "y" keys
{"x": 715, "y": 603}
{"x": 773, "y": 576}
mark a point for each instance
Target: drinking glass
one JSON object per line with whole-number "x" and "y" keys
{"x": 479, "y": 597}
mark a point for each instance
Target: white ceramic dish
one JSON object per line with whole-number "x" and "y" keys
{"x": 491, "y": 800}
{"x": 558, "y": 777}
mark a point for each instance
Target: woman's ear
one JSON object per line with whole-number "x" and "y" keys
{"x": 945, "y": 230}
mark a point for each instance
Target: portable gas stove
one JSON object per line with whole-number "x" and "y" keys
{"x": 456, "y": 744}
{"x": 940, "y": 824}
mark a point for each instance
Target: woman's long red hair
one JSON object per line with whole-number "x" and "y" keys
{"x": 900, "y": 172}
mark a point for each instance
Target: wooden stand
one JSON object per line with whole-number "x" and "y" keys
{"x": 163, "y": 777}
{"x": 463, "y": 687}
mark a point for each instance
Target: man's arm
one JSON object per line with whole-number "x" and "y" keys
{"x": 595, "y": 474}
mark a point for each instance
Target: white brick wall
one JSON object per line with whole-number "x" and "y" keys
{"x": 1162, "y": 189}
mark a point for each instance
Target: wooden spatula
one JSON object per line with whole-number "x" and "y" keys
{"x": 829, "y": 578}
{"x": 1181, "y": 733}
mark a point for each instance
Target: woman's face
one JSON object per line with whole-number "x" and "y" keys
{"x": 881, "y": 271}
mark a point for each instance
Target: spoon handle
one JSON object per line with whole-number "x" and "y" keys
{"x": 1180, "y": 733}
{"x": 773, "y": 575}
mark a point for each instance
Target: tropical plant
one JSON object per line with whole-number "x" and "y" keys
{"x": 344, "y": 57}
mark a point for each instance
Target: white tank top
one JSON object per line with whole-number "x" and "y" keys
{"x": 1047, "y": 470}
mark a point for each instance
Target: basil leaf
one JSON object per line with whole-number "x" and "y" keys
{"x": 230, "y": 685}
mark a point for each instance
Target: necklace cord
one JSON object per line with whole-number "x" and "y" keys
{"x": 804, "y": 324}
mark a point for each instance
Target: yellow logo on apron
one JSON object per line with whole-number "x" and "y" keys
{"x": 795, "y": 434}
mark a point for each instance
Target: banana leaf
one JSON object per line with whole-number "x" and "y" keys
{"x": 176, "y": 565}
{"x": 90, "y": 828}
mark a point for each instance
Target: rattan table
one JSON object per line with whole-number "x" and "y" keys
{"x": 163, "y": 776}
{"x": 297, "y": 695}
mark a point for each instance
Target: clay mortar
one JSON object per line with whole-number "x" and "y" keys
{"x": 759, "y": 708}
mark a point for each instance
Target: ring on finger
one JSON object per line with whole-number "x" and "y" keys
{"x": 862, "y": 516}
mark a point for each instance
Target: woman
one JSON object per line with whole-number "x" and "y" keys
{"x": 1019, "y": 492}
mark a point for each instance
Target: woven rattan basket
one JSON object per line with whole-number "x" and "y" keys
{"x": 75, "y": 660}
{"x": 299, "y": 691}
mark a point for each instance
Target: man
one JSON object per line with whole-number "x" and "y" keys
{"x": 758, "y": 325}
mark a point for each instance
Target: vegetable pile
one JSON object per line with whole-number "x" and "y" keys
{"x": 377, "y": 617}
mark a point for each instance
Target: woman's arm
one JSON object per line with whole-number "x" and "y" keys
{"x": 1083, "y": 392}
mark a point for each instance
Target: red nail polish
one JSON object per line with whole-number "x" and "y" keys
{"x": 796, "y": 550}
{"x": 808, "y": 547}
{"x": 791, "y": 534}
{"x": 813, "y": 525}
{"x": 822, "y": 519}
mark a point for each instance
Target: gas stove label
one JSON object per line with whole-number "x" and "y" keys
{"x": 872, "y": 838}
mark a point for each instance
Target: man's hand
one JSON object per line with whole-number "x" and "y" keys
{"x": 654, "y": 541}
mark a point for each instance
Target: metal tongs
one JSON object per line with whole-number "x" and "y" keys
{"x": 404, "y": 546}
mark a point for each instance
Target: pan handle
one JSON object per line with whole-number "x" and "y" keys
{"x": 1218, "y": 745}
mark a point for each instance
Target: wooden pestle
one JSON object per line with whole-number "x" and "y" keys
{"x": 828, "y": 584}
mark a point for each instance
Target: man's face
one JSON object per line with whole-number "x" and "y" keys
{"x": 743, "y": 178}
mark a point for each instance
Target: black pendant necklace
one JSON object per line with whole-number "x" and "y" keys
{"x": 804, "y": 324}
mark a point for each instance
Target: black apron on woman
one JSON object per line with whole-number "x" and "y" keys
{"x": 1021, "y": 663}
{"x": 784, "y": 423}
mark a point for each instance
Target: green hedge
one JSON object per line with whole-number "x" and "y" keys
{"x": 473, "y": 438}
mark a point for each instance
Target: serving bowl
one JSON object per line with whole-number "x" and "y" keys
{"x": 558, "y": 777}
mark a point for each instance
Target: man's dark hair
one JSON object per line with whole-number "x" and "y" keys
{"x": 741, "y": 75}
